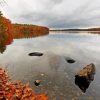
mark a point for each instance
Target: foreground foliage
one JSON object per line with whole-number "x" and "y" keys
{"x": 16, "y": 90}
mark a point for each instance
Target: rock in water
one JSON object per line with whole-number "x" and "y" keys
{"x": 35, "y": 54}
{"x": 37, "y": 82}
{"x": 69, "y": 60}
{"x": 85, "y": 76}
{"x": 88, "y": 72}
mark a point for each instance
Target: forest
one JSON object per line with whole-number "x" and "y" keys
{"x": 21, "y": 30}
{"x": 28, "y": 31}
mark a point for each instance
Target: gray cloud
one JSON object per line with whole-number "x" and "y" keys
{"x": 54, "y": 13}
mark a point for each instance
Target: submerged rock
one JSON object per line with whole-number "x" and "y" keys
{"x": 70, "y": 60}
{"x": 85, "y": 77}
{"x": 35, "y": 54}
{"x": 37, "y": 82}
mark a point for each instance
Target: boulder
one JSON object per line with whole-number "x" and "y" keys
{"x": 85, "y": 77}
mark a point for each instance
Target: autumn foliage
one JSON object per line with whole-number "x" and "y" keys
{"x": 20, "y": 30}
{"x": 27, "y": 31}
{"x": 6, "y": 29}
{"x": 6, "y": 36}
{"x": 16, "y": 90}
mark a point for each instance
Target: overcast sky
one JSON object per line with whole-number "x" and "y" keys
{"x": 54, "y": 13}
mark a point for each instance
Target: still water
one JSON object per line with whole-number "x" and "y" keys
{"x": 58, "y": 75}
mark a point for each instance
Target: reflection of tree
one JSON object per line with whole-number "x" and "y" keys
{"x": 0, "y": 13}
{"x": 2, "y": 42}
{"x": 2, "y": 48}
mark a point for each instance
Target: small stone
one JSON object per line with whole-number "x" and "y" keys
{"x": 37, "y": 82}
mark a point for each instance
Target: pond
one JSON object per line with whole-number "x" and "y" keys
{"x": 57, "y": 75}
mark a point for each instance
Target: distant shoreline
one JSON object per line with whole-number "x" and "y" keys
{"x": 63, "y": 31}
{"x": 77, "y": 30}
{"x": 73, "y": 31}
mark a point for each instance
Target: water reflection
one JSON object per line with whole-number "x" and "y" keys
{"x": 57, "y": 74}
{"x": 82, "y": 82}
{"x": 5, "y": 39}
{"x": 79, "y": 32}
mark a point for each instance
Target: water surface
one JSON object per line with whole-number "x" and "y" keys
{"x": 57, "y": 74}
